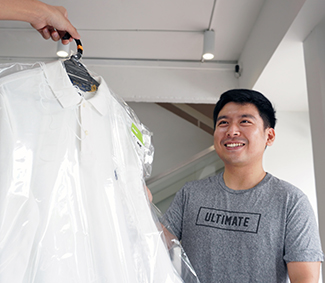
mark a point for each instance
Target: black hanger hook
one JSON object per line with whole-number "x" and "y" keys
{"x": 79, "y": 45}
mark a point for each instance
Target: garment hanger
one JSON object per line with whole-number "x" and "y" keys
{"x": 77, "y": 72}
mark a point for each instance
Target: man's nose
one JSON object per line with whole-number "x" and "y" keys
{"x": 233, "y": 131}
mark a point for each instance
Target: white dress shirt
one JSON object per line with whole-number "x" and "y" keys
{"x": 73, "y": 207}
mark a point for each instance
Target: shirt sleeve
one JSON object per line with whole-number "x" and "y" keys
{"x": 174, "y": 214}
{"x": 302, "y": 241}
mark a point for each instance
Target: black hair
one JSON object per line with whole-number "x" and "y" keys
{"x": 244, "y": 96}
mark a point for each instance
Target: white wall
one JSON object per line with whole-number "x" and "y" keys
{"x": 314, "y": 46}
{"x": 290, "y": 157}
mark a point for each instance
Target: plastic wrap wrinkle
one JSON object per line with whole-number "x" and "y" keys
{"x": 73, "y": 205}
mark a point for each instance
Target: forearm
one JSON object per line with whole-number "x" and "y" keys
{"x": 21, "y": 10}
{"x": 304, "y": 272}
{"x": 304, "y": 280}
{"x": 49, "y": 21}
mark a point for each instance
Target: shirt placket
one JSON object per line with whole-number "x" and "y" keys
{"x": 85, "y": 129}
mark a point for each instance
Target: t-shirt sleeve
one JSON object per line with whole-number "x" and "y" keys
{"x": 302, "y": 241}
{"x": 174, "y": 214}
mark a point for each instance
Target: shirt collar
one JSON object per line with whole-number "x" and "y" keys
{"x": 100, "y": 100}
{"x": 61, "y": 85}
{"x": 67, "y": 94}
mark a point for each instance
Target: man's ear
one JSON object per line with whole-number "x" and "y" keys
{"x": 270, "y": 136}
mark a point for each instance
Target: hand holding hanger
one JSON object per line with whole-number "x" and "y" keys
{"x": 50, "y": 21}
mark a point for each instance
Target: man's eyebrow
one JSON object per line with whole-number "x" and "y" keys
{"x": 221, "y": 117}
{"x": 242, "y": 116}
{"x": 248, "y": 116}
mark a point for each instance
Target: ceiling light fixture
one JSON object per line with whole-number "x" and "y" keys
{"x": 208, "y": 45}
{"x": 63, "y": 50}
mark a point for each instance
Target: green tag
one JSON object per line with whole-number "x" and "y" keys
{"x": 137, "y": 133}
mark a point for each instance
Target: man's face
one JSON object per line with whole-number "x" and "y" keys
{"x": 240, "y": 138}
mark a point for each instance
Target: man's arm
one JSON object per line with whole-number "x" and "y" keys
{"x": 50, "y": 21}
{"x": 170, "y": 238}
{"x": 303, "y": 272}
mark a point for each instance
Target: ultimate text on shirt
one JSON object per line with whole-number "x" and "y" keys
{"x": 227, "y": 220}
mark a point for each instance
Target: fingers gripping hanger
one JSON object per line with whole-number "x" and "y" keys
{"x": 77, "y": 72}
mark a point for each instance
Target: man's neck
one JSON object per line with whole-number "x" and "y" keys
{"x": 241, "y": 178}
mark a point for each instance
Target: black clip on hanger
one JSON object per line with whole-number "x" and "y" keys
{"x": 77, "y": 72}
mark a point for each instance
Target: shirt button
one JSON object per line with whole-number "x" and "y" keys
{"x": 86, "y": 133}
{"x": 84, "y": 104}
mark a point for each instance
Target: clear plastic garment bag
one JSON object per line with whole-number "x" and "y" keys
{"x": 73, "y": 204}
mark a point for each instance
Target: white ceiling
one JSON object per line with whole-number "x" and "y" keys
{"x": 144, "y": 29}
{"x": 144, "y": 34}
{"x": 150, "y": 51}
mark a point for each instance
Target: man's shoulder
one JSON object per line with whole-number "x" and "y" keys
{"x": 198, "y": 185}
{"x": 283, "y": 187}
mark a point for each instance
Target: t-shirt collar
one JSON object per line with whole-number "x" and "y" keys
{"x": 259, "y": 185}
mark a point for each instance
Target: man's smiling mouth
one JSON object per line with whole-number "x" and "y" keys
{"x": 234, "y": 144}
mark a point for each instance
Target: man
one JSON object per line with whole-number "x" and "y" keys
{"x": 245, "y": 225}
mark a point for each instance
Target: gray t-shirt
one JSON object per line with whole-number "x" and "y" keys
{"x": 247, "y": 235}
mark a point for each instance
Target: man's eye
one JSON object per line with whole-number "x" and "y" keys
{"x": 245, "y": 122}
{"x": 222, "y": 123}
